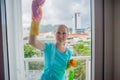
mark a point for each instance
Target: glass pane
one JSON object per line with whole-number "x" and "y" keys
{"x": 76, "y": 14}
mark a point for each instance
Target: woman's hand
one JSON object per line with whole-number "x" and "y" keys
{"x": 36, "y": 16}
{"x": 71, "y": 63}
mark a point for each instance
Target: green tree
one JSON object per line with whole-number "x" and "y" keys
{"x": 29, "y": 51}
{"x": 80, "y": 72}
{"x": 83, "y": 48}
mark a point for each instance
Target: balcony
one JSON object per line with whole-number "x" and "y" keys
{"x": 33, "y": 71}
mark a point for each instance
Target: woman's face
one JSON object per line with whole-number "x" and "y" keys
{"x": 61, "y": 34}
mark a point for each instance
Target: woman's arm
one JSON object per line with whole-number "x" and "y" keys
{"x": 35, "y": 24}
{"x": 35, "y": 43}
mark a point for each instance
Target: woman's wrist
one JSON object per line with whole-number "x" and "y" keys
{"x": 34, "y": 29}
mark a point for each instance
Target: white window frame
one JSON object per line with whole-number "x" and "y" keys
{"x": 15, "y": 39}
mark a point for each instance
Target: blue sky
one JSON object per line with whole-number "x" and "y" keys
{"x": 59, "y": 12}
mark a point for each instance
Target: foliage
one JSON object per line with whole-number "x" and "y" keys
{"x": 36, "y": 65}
{"x": 83, "y": 48}
{"x": 80, "y": 72}
{"x": 29, "y": 51}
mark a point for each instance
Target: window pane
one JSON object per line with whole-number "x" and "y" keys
{"x": 76, "y": 14}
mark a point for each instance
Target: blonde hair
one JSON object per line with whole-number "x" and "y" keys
{"x": 61, "y": 25}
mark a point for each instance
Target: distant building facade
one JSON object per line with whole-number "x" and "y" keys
{"x": 76, "y": 23}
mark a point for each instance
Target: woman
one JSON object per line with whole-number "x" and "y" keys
{"x": 56, "y": 55}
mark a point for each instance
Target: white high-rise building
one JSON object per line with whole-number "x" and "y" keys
{"x": 76, "y": 22}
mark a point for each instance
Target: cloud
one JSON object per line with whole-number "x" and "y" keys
{"x": 62, "y": 11}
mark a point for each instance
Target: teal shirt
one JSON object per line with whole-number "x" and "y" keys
{"x": 55, "y": 62}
